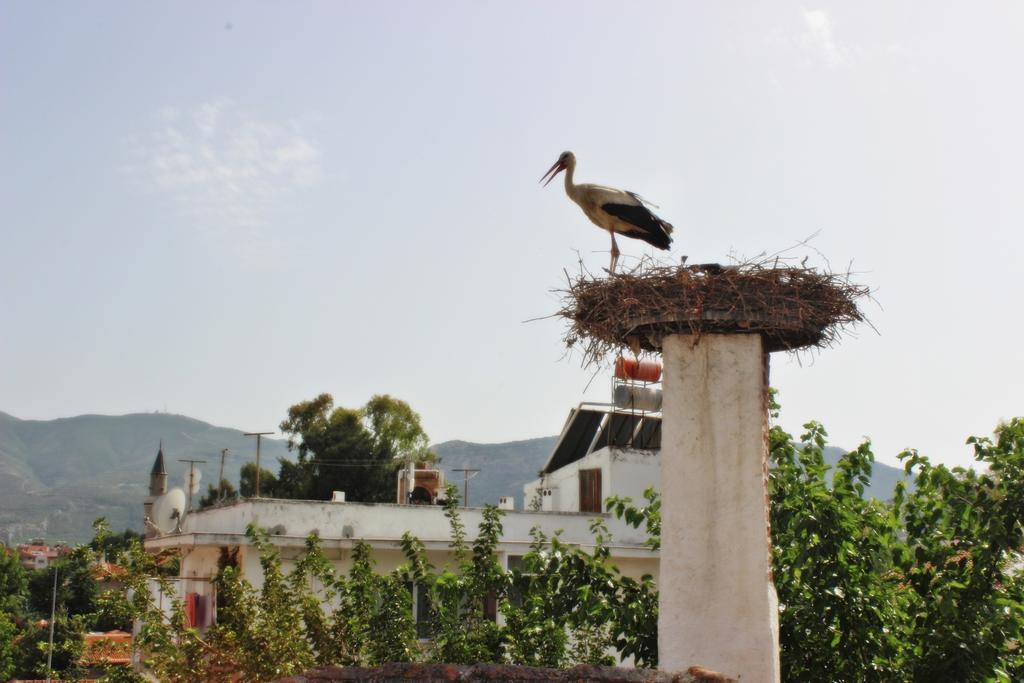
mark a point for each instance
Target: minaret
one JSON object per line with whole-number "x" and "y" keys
{"x": 157, "y": 488}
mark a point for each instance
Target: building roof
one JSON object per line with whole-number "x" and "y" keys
{"x": 591, "y": 426}
{"x": 102, "y": 571}
{"x": 341, "y": 525}
{"x": 112, "y": 647}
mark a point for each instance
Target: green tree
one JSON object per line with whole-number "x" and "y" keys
{"x": 462, "y": 629}
{"x": 13, "y": 583}
{"x": 110, "y": 544}
{"x": 8, "y": 661}
{"x": 76, "y": 587}
{"x": 353, "y": 450}
{"x": 247, "y": 482}
{"x": 925, "y": 588}
{"x": 961, "y": 559}
{"x": 33, "y": 648}
{"x": 261, "y": 636}
{"x": 841, "y": 604}
{"x": 396, "y": 430}
{"x": 295, "y": 479}
{"x": 565, "y": 589}
{"x": 225, "y": 493}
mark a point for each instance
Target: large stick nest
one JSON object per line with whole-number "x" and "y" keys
{"x": 792, "y": 307}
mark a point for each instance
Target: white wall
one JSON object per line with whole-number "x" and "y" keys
{"x": 339, "y": 525}
{"x": 345, "y": 522}
{"x": 624, "y": 472}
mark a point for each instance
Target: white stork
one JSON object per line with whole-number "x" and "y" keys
{"x": 616, "y": 211}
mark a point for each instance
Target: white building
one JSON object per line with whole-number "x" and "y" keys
{"x": 600, "y": 453}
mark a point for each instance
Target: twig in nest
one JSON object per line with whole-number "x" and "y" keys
{"x": 792, "y": 306}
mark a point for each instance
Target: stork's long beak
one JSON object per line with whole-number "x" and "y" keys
{"x": 555, "y": 169}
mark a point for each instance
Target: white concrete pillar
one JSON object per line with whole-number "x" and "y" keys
{"x": 717, "y": 607}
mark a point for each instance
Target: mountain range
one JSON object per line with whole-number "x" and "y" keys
{"x": 57, "y": 476}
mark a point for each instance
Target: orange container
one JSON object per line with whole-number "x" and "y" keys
{"x": 642, "y": 370}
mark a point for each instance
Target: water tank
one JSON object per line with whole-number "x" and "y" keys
{"x": 506, "y": 503}
{"x": 633, "y": 397}
{"x": 640, "y": 370}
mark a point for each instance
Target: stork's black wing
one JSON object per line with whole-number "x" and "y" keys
{"x": 643, "y": 224}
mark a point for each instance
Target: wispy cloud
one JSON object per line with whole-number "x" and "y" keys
{"x": 220, "y": 163}
{"x": 811, "y": 36}
{"x": 818, "y": 37}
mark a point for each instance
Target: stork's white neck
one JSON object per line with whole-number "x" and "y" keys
{"x": 570, "y": 186}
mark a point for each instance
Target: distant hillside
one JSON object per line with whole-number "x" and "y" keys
{"x": 505, "y": 467}
{"x": 57, "y": 476}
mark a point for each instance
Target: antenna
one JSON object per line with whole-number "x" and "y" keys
{"x": 465, "y": 483}
{"x": 220, "y": 480}
{"x": 193, "y": 482}
{"x": 259, "y": 437}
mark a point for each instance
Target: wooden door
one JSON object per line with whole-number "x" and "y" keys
{"x": 590, "y": 490}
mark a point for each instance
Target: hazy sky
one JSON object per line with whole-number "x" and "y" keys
{"x": 222, "y": 208}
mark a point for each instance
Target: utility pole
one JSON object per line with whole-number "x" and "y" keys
{"x": 220, "y": 480}
{"x": 53, "y": 613}
{"x": 259, "y": 437}
{"x": 465, "y": 483}
{"x": 191, "y": 480}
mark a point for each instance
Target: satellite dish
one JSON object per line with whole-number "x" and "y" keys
{"x": 168, "y": 511}
{"x": 196, "y": 476}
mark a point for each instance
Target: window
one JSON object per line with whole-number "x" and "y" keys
{"x": 515, "y": 594}
{"x": 590, "y": 490}
{"x": 420, "y": 609}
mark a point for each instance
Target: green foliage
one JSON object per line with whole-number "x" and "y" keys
{"x": 81, "y": 605}
{"x": 122, "y": 674}
{"x": 353, "y": 450}
{"x": 266, "y": 631}
{"x": 174, "y": 652}
{"x": 8, "y": 630}
{"x": 33, "y": 648}
{"x": 923, "y": 588}
{"x": 962, "y": 560}
{"x": 225, "y": 493}
{"x": 77, "y": 590}
{"x": 370, "y": 621}
{"x": 462, "y": 630}
{"x": 565, "y": 590}
{"x": 113, "y": 612}
{"x": 396, "y": 430}
{"x": 392, "y": 625}
{"x": 109, "y": 544}
{"x": 565, "y": 610}
{"x": 247, "y": 481}
{"x": 648, "y": 516}
{"x": 926, "y": 587}
{"x": 13, "y": 583}
{"x": 840, "y": 601}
